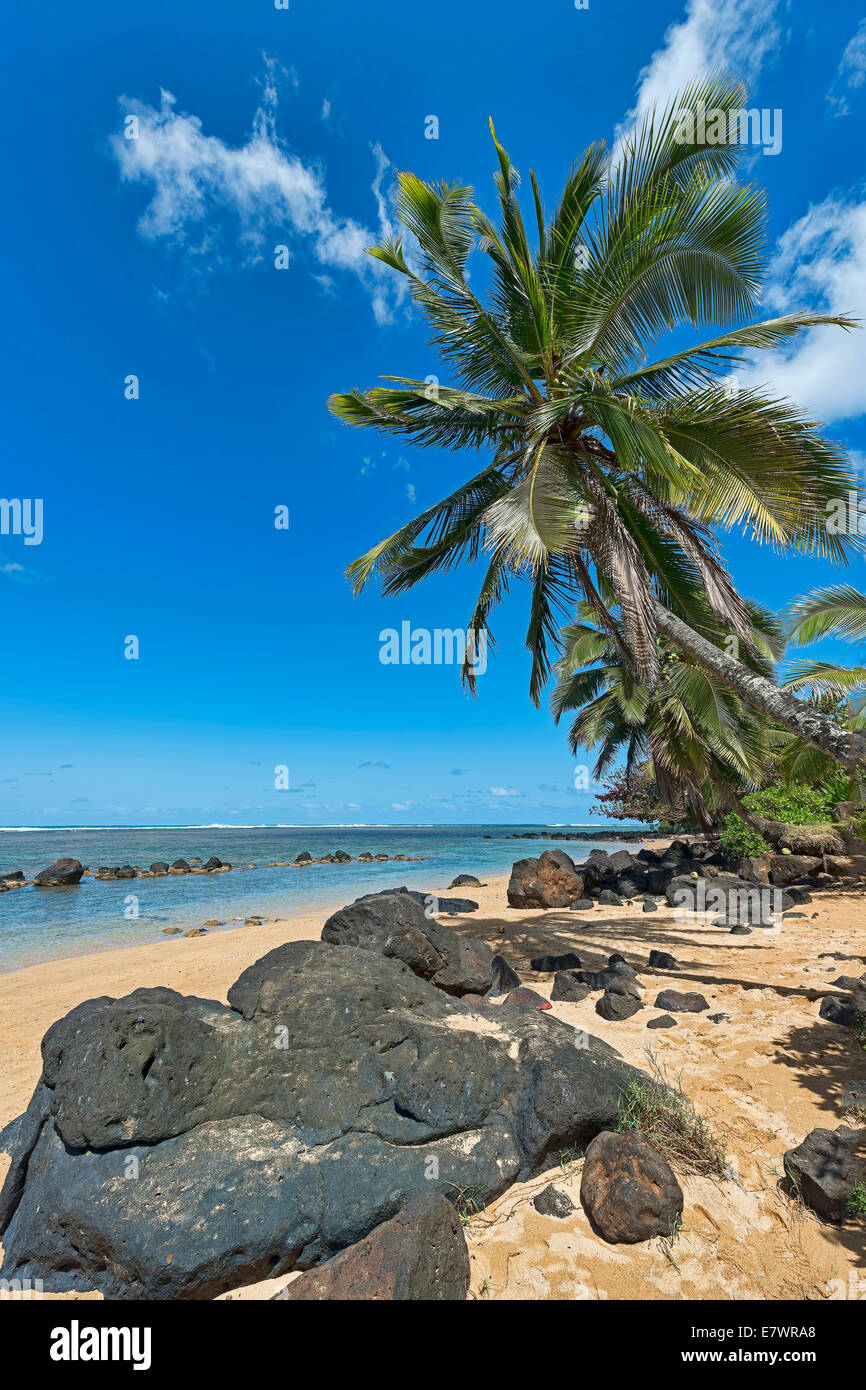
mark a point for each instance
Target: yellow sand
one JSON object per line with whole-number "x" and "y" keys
{"x": 763, "y": 1081}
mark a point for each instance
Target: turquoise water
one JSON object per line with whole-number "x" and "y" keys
{"x": 38, "y": 924}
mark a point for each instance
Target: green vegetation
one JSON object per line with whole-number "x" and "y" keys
{"x": 610, "y": 462}
{"x": 664, "y": 1113}
{"x": 794, "y": 804}
{"x": 856, "y": 1203}
{"x": 740, "y": 838}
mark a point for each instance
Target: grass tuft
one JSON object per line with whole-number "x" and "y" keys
{"x": 669, "y": 1120}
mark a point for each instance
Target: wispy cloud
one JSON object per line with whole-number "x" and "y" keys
{"x": 850, "y": 74}
{"x": 504, "y": 791}
{"x": 819, "y": 264}
{"x": 733, "y": 34}
{"x": 223, "y": 205}
{"x": 12, "y": 569}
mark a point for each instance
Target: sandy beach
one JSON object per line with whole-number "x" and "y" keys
{"x": 763, "y": 1080}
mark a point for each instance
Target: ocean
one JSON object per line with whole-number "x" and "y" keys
{"x": 39, "y": 924}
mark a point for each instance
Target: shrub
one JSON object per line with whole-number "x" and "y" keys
{"x": 798, "y": 803}
{"x": 856, "y": 1203}
{"x": 741, "y": 838}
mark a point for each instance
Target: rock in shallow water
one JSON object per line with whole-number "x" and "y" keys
{"x": 61, "y": 873}
{"x": 177, "y": 1147}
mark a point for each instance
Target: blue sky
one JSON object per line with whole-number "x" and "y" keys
{"x": 261, "y": 127}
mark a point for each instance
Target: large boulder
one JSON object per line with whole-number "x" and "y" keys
{"x": 785, "y": 868}
{"x": 177, "y": 1147}
{"x": 629, "y": 1190}
{"x": 826, "y": 1167}
{"x": 419, "y": 1254}
{"x": 59, "y": 874}
{"x": 737, "y": 900}
{"x": 549, "y": 881}
{"x": 397, "y": 926}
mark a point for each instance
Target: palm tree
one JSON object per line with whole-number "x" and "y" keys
{"x": 839, "y": 691}
{"x": 704, "y": 747}
{"x": 608, "y": 469}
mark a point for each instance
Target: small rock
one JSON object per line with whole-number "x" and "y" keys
{"x": 837, "y": 1010}
{"x": 650, "y": 905}
{"x": 681, "y": 1003}
{"x": 607, "y": 898}
{"x": 741, "y": 931}
{"x": 582, "y": 905}
{"x": 719, "y": 1018}
{"x": 524, "y": 998}
{"x": 662, "y": 1021}
{"x": 661, "y": 960}
{"x": 567, "y": 988}
{"x": 466, "y": 881}
{"x": 505, "y": 977}
{"x": 629, "y": 1190}
{"x": 826, "y": 1167}
{"x": 553, "y": 1202}
{"x": 617, "y": 1007}
{"x": 545, "y": 965}
{"x": 196, "y": 931}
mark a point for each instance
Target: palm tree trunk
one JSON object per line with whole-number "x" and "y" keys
{"x": 846, "y": 747}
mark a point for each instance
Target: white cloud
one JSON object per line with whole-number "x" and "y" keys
{"x": 819, "y": 265}
{"x": 850, "y": 74}
{"x": 734, "y": 34}
{"x": 504, "y": 791}
{"x": 201, "y": 187}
